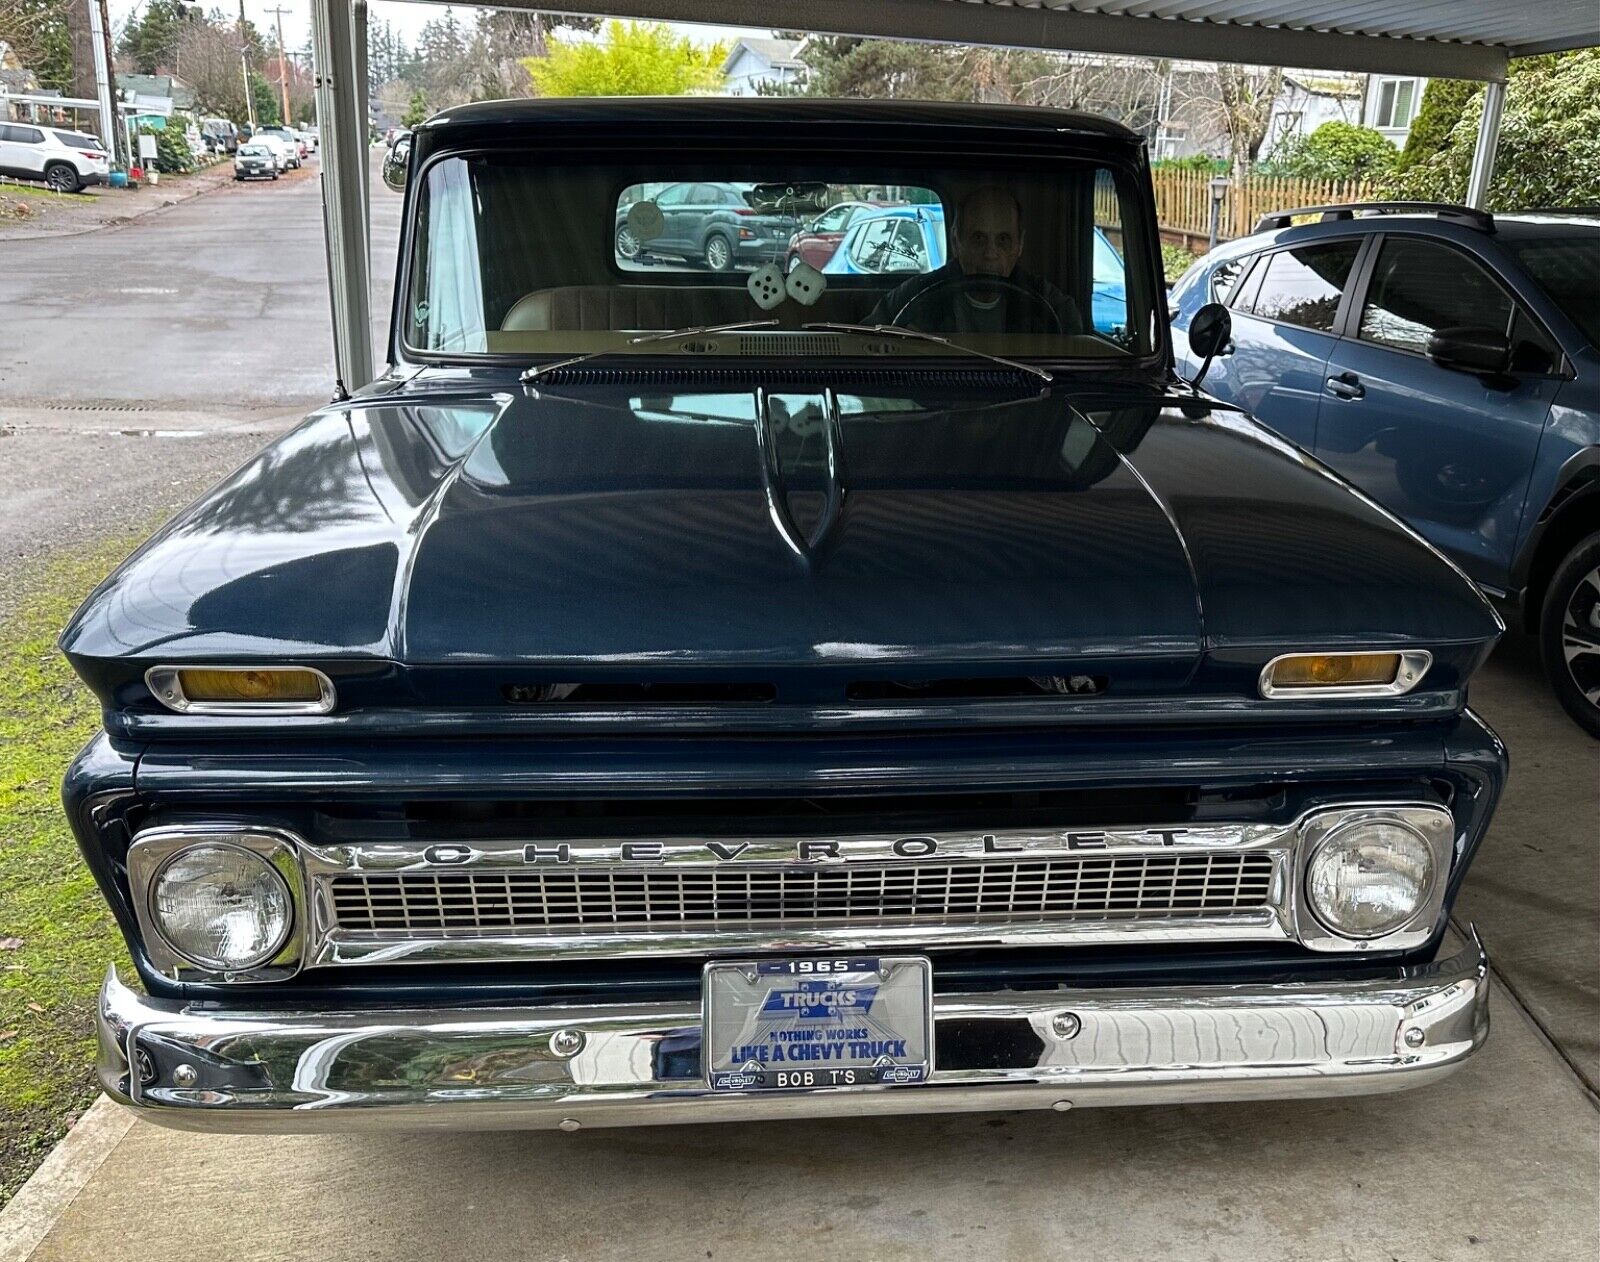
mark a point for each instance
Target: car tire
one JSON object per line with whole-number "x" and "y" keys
{"x": 274, "y": 175}
{"x": 62, "y": 177}
{"x": 1569, "y": 633}
{"x": 719, "y": 252}
{"x": 790, "y": 263}
{"x": 628, "y": 246}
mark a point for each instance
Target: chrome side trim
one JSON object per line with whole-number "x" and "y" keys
{"x": 166, "y": 685}
{"x": 1414, "y": 664}
{"x": 206, "y": 1067}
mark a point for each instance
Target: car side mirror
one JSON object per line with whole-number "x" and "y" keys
{"x": 1209, "y": 333}
{"x": 396, "y": 166}
{"x": 1468, "y": 348}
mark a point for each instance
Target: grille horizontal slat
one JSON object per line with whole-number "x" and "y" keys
{"x": 670, "y": 899}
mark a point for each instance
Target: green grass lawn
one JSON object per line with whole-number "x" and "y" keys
{"x": 56, "y": 934}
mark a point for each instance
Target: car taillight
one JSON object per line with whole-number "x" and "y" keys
{"x": 743, "y": 210}
{"x": 91, "y": 154}
{"x": 745, "y": 234}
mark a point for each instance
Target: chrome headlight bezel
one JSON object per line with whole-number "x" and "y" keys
{"x": 1433, "y": 825}
{"x": 155, "y": 849}
{"x": 1413, "y": 665}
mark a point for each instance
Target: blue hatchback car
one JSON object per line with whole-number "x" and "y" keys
{"x": 1445, "y": 361}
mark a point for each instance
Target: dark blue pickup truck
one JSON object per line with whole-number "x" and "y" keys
{"x": 671, "y": 696}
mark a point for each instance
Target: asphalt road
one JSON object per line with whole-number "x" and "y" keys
{"x": 142, "y": 362}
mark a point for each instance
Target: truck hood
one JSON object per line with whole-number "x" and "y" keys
{"x": 931, "y": 524}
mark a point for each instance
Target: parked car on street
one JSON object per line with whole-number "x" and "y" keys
{"x": 707, "y": 222}
{"x": 294, "y": 147}
{"x": 1445, "y": 361}
{"x": 712, "y": 708}
{"x": 221, "y": 135}
{"x": 68, "y": 161}
{"x": 815, "y": 242}
{"x": 283, "y": 156}
{"x": 255, "y": 161}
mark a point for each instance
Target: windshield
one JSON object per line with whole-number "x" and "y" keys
{"x": 1568, "y": 269}
{"x": 515, "y": 256}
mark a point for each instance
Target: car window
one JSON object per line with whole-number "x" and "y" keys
{"x": 871, "y": 246}
{"x": 77, "y": 140}
{"x": 1226, "y": 276}
{"x": 674, "y": 196}
{"x": 1421, "y": 286}
{"x": 1568, "y": 269}
{"x": 25, "y": 135}
{"x": 833, "y": 220}
{"x": 1303, "y": 286}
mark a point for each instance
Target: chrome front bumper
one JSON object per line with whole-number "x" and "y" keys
{"x": 204, "y": 1067}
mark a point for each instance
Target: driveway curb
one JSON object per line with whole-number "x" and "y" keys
{"x": 33, "y": 1211}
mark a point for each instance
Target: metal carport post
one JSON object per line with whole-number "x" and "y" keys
{"x": 1466, "y": 39}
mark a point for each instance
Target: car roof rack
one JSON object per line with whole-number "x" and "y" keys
{"x": 1480, "y": 219}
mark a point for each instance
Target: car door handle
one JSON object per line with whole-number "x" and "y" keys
{"x": 1346, "y": 386}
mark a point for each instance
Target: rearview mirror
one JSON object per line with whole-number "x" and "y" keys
{"x": 1468, "y": 348}
{"x": 397, "y": 165}
{"x": 1209, "y": 333}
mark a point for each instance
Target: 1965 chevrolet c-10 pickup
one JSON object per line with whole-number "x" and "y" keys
{"x": 686, "y": 687}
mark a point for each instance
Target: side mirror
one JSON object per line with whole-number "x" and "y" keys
{"x": 1209, "y": 333}
{"x": 396, "y": 165}
{"x": 1467, "y": 348}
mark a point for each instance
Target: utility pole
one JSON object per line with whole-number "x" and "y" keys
{"x": 283, "y": 62}
{"x": 249, "y": 96}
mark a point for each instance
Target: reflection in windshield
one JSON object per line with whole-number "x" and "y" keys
{"x": 518, "y": 257}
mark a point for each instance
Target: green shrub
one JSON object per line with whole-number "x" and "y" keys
{"x": 173, "y": 156}
{"x": 1175, "y": 261}
{"x": 1549, "y": 152}
{"x": 1194, "y": 162}
{"x": 1335, "y": 151}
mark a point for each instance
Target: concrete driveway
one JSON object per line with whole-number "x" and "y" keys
{"x": 1502, "y": 1161}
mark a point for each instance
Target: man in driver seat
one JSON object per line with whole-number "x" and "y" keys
{"x": 980, "y": 289}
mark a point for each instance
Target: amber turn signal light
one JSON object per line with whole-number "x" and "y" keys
{"x": 242, "y": 689}
{"x": 1344, "y": 674}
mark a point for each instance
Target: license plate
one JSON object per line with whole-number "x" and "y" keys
{"x": 787, "y": 1024}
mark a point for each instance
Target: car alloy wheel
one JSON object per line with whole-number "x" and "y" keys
{"x": 627, "y": 243}
{"x": 719, "y": 254}
{"x": 62, "y": 178}
{"x": 1569, "y": 634}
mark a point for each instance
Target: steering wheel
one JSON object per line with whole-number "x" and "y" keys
{"x": 950, "y": 286}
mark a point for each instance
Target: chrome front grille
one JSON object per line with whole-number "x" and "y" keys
{"x": 574, "y": 900}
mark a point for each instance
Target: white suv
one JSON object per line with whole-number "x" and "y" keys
{"x": 65, "y": 160}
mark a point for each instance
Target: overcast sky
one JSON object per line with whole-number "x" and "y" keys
{"x": 405, "y": 18}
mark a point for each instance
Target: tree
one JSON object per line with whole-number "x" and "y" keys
{"x": 846, "y": 66}
{"x": 1336, "y": 151}
{"x": 151, "y": 40}
{"x": 1246, "y": 94}
{"x": 209, "y": 53}
{"x": 1442, "y": 104}
{"x": 265, "y": 95}
{"x": 1552, "y": 107}
{"x": 418, "y": 111}
{"x": 630, "y": 59}
{"x": 38, "y": 33}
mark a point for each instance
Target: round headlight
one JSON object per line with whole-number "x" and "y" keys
{"x": 1369, "y": 877}
{"x": 221, "y": 907}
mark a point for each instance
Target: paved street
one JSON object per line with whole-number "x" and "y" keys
{"x": 151, "y": 358}
{"x": 138, "y": 364}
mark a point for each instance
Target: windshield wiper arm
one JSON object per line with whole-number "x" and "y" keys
{"x": 534, "y": 373}
{"x": 894, "y": 330}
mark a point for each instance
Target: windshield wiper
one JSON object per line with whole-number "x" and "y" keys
{"x": 894, "y": 330}
{"x": 534, "y": 373}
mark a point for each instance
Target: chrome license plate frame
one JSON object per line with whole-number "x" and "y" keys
{"x": 817, "y": 1022}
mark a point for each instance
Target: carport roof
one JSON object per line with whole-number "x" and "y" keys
{"x": 1469, "y": 39}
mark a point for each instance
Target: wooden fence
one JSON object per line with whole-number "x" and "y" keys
{"x": 1183, "y": 202}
